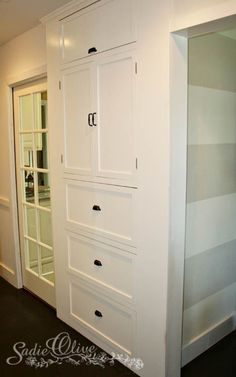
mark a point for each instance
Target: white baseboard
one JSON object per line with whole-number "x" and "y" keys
{"x": 208, "y": 338}
{"x": 8, "y": 274}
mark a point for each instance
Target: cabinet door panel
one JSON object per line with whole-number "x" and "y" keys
{"x": 108, "y": 24}
{"x": 115, "y": 107}
{"x": 77, "y": 98}
{"x": 103, "y": 210}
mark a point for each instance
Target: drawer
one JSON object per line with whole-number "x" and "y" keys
{"x": 104, "y": 210}
{"x": 102, "y": 264}
{"x": 108, "y": 320}
{"x": 108, "y": 24}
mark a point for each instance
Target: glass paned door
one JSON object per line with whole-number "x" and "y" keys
{"x": 33, "y": 186}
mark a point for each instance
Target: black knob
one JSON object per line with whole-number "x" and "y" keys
{"x": 91, "y": 50}
{"x": 97, "y": 263}
{"x": 96, "y": 208}
{"x": 98, "y": 313}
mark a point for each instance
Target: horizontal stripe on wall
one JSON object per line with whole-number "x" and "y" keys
{"x": 211, "y": 171}
{"x": 210, "y": 223}
{"x": 211, "y": 116}
{"x": 212, "y": 61}
{"x": 207, "y": 313}
{"x": 209, "y": 272}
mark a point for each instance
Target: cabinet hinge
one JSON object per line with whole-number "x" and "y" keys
{"x": 62, "y": 159}
{"x": 136, "y": 163}
{"x": 136, "y": 68}
{"x": 59, "y": 85}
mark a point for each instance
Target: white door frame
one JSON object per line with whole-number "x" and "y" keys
{"x": 12, "y": 82}
{"x": 178, "y": 181}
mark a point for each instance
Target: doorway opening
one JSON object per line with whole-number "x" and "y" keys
{"x": 210, "y": 249}
{"x": 33, "y": 189}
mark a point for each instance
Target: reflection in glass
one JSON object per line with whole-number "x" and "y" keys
{"x": 29, "y": 194}
{"x": 45, "y": 227}
{"x": 44, "y": 190}
{"x": 42, "y": 152}
{"x": 27, "y": 150}
{"x": 33, "y": 256}
{"x": 30, "y": 222}
{"x": 26, "y": 113}
{"x": 40, "y": 110}
{"x": 47, "y": 267}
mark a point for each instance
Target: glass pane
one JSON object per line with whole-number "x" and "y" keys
{"x": 28, "y": 179}
{"x": 45, "y": 227}
{"x": 42, "y": 151}
{"x": 44, "y": 190}
{"x": 30, "y": 222}
{"x": 33, "y": 256}
{"x": 47, "y": 266}
{"x": 27, "y": 150}
{"x": 26, "y": 113}
{"x": 40, "y": 110}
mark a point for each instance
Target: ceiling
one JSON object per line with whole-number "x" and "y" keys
{"x": 18, "y": 16}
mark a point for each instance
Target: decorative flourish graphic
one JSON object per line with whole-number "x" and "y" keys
{"x": 62, "y": 349}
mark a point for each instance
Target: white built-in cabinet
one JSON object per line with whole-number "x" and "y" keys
{"x": 99, "y": 112}
{"x": 96, "y": 182}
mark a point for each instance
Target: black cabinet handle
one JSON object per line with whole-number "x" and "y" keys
{"x": 96, "y": 208}
{"x": 98, "y": 313}
{"x": 97, "y": 263}
{"x": 89, "y": 120}
{"x": 93, "y": 116}
{"x": 91, "y": 50}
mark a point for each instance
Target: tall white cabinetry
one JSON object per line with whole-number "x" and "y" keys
{"x": 92, "y": 60}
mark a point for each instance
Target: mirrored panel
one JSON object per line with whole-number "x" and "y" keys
{"x": 30, "y": 222}
{"x": 26, "y": 113}
{"x": 47, "y": 267}
{"x": 28, "y": 186}
{"x": 40, "y": 110}
{"x": 33, "y": 262}
{"x": 42, "y": 150}
{"x": 44, "y": 190}
{"x": 45, "y": 227}
{"x": 27, "y": 156}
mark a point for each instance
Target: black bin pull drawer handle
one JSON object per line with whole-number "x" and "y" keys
{"x": 91, "y": 50}
{"x": 97, "y": 263}
{"x": 96, "y": 208}
{"x": 98, "y": 313}
{"x": 90, "y": 120}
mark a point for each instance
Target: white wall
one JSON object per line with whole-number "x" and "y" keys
{"x": 27, "y": 52}
{"x": 18, "y": 58}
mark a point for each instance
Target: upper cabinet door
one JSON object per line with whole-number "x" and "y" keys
{"x": 78, "y": 130}
{"x": 97, "y": 28}
{"x": 115, "y": 88}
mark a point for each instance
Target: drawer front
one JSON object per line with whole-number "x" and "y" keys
{"x": 108, "y": 24}
{"x": 105, "y": 210}
{"x": 101, "y": 263}
{"x": 107, "y": 319}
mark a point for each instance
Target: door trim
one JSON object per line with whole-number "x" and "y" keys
{"x": 178, "y": 182}
{"x": 12, "y": 82}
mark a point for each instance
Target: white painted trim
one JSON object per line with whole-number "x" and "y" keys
{"x": 4, "y": 202}
{"x": 207, "y": 20}
{"x": 208, "y": 338}
{"x": 8, "y": 274}
{"x": 28, "y": 76}
{"x": 20, "y": 79}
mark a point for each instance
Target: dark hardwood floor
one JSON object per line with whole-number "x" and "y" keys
{"x": 24, "y": 318}
{"x": 218, "y": 361}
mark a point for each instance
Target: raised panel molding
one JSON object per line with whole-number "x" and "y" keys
{"x": 4, "y": 202}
